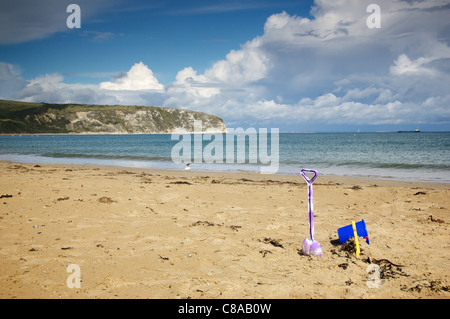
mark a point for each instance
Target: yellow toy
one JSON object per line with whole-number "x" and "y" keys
{"x": 356, "y": 239}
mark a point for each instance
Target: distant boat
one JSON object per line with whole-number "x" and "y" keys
{"x": 415, "y": 131}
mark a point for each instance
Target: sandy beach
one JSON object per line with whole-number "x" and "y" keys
{"x": 136, "y": 233}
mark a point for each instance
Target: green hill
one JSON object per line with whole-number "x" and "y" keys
{"x": 24, "y": 117}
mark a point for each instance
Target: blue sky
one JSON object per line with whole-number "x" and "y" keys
{"x": 295, "y": 65}
{"x": 166, "y": 35}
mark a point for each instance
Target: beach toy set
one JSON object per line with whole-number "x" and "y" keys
{"x": 311, "y": 247}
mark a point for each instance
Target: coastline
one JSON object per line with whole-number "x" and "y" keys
{"x": 283, "y": 172}
{"x": 150, "y": 233}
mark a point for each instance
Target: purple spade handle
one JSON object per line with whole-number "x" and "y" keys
{"x": 309, "y": 181}
{"x": 310, "y": 198}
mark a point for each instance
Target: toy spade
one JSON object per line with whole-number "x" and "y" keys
{"x": 310, "y": 247}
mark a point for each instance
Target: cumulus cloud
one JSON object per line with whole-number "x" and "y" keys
{"x": 51, "y": 88}
{"x": 139, "y": 77}
{"x": 403, "y": 65}
{"x": 333, "y": 68}
{"x": 242, "y": 66}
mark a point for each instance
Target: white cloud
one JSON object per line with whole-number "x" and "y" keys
{"x": 139, "y": 77}
{"x": 403, "y": 65}
{"x": 51, "y": 88}
{"x": 188, "y": 81}
{"x": 240, "y": 69}
{"x": 242, "y": 66}
{"x": 340, "y": 70}
{"x": 358, "y": 94}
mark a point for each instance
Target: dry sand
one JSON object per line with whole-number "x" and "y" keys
{"x": 138, "y": 233}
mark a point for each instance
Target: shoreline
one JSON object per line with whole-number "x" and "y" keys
{"x": 277, "y": 177}
{"x": 213, "y": 132}
{"x": 206, "y": 171}
{"x": 148, "y": 233}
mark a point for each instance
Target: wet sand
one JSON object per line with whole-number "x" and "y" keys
{"x": 140, "y": 233}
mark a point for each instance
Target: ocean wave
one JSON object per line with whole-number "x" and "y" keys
{"x": 400, "y": 166}
{"x": 107, "y": 156}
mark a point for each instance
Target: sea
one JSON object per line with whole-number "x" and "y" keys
{"x": 421, "y": 156}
